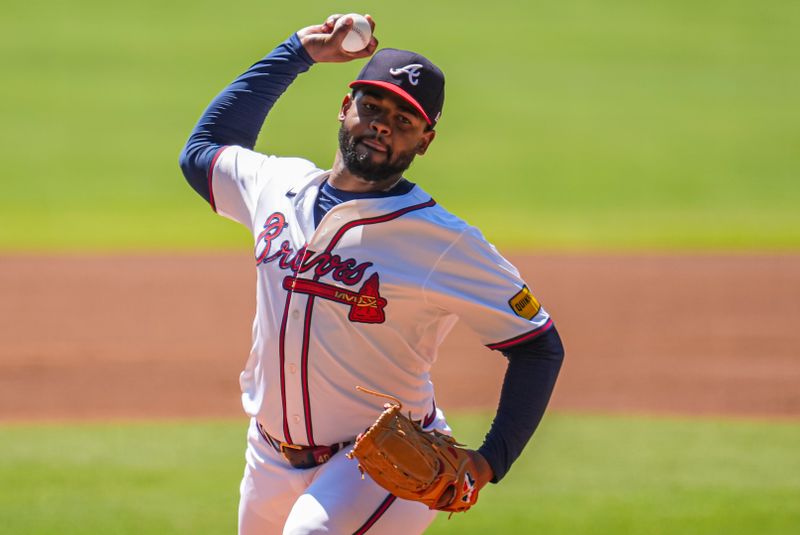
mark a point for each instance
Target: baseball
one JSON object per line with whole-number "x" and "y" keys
{"x": 359, "y": 35}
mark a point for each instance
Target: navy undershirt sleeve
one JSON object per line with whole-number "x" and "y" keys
{"x": 237, "y": 114}
{"x": 529, "y": 381}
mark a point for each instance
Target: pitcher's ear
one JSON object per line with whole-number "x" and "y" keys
{"x": 425, "y": 142}
{"x": 347, "y": 101}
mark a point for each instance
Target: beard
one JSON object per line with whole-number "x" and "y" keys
{"x": 360, "y": 164}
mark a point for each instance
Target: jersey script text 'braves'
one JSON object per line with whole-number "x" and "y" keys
{"x": 347, "y": 271}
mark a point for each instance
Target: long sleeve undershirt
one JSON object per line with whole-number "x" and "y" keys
{"x": 529, "y": 381}
{"x": 236, "y": 116}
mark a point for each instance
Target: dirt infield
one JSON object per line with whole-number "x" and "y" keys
{"x": 165, "y": 336}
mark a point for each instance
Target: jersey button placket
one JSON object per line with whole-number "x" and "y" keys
{"x": 293, "y": 350}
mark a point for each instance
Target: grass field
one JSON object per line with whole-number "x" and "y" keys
{"x": 617, "y": 125}
{"x": 582, "y": 474}
{"x": 580, "y": 125}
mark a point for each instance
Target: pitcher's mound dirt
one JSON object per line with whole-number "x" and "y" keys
{"x": 166, "y": 336}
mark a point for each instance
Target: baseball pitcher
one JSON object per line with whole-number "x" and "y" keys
{"x": 360, "y": 276}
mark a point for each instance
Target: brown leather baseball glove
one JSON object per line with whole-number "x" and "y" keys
{"x": 425, "y": 466}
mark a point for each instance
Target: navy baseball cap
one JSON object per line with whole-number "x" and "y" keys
{"x": 410, "y": 76}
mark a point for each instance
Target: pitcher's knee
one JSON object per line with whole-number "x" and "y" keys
{"x": 308, "y": 517}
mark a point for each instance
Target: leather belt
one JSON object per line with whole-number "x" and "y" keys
{"x": 302, "y": 456}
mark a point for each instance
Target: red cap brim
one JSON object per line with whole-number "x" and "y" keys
{"x": 399, "y": 91}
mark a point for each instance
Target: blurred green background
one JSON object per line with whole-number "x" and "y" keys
{"x": 584, "y": 475}
{"x": 616, "y": 125}
{"x": 568, "y": 125}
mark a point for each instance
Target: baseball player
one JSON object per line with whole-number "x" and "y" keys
{"x": 360, "y": 276}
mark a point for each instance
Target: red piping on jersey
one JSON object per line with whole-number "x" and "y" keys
{"x": 286, "y": 434}
{"x": 373, "y": 220}
{"x": 281, "y": 347}
{"x": 376, "y": 515}
{"x": 307, "y": 326}
{"x": 211, "y": 200}
{"x": 304, "y": 370}
{"x": 530, "y": 335}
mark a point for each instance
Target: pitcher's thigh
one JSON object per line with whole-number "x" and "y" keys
{"x": 269, "y": 488}
{"x": 338, "y": 501}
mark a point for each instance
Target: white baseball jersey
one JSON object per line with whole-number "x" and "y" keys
{"x": 366, "y": 298}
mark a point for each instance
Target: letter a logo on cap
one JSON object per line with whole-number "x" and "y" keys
{"x": 412, "y": 70}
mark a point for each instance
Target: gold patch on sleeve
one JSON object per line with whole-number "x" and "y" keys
{"x": 524, "y": 304}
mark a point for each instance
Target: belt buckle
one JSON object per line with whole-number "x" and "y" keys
{"x": 286, "y": 446}
{"x": 306, "y": 456}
